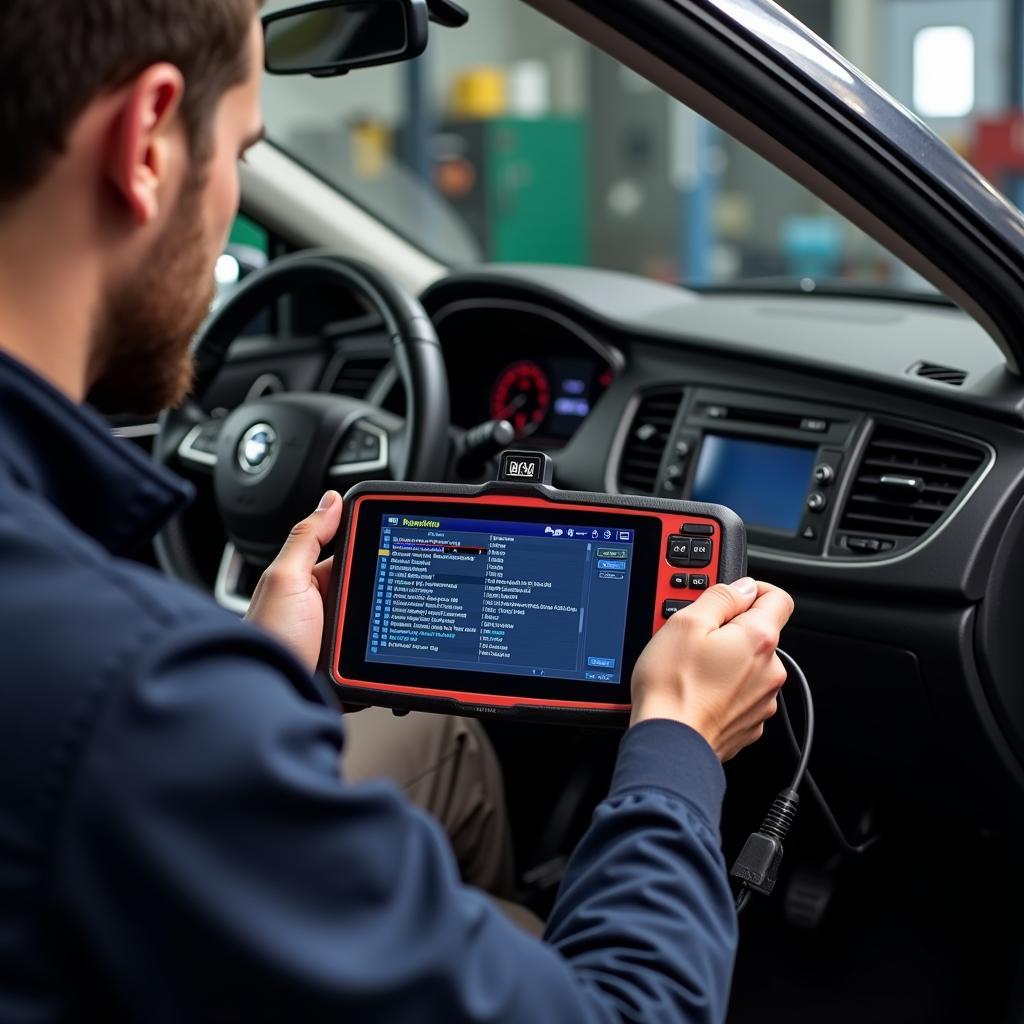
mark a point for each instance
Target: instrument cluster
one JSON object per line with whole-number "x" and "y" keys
{"x": 518, "y": 363}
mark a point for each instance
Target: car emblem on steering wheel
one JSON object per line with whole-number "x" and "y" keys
{"x": 257, "y": 449}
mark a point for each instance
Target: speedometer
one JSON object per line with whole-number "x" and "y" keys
{"x": 521, "y": 395}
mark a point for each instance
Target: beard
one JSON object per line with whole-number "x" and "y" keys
{"x": 146, "y": 326}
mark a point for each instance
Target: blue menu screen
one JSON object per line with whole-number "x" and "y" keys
{"x": 522, "y": 598}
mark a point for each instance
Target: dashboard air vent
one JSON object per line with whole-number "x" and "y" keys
{"x": 942, "y": 374}
{"x": 906, "y": 481}
{"x": 355, "y": 377}
{"x": 646, "y": 441}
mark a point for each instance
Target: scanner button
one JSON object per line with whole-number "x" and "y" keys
{"x": 679, "y": 581}
{"x": 699, "y": 581}
{"x": 669, "y": 608}
{"x": 703, "y": 529}
{"x": 678, "y": 552}
{"x": 700, "y": 551}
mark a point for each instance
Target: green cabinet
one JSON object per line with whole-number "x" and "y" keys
{"x": 528, "y": 202}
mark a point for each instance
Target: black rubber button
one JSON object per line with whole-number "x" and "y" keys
{"x": 679, "y": 581}
{"x": 699, "y": 581}
{"x": 700, "y": 551}
{"x": 703, "y": 529}
{"x": 678, "y": 550}
{"x": 669, "y": 608}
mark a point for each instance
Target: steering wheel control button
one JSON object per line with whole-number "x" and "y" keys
{"x": 700, "y": 551}
{"x": 257, "y": 449}
{"x": 679, "y": 581}
{"x": 824, "y": 474}
{"x": 678, "y": 552}
{"x": 207, "y": 438}
{"x": 360, "y": 446}
{"x": 364, "y": 450}
{"x": 699, "y": 581}
{"x": 669, "y": 608}
{"x": 200, "y": 443}
{"x": 816, "y": 501}
{"x": 702, "y": 529}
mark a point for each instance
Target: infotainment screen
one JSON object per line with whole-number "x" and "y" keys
{"x": 540, "y": 598}
{"x": 766, "y": 484}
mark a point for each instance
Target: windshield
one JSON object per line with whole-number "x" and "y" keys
{"x": 513, "y": 140}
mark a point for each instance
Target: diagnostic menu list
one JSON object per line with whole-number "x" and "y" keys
{"x": 512, "y": 597}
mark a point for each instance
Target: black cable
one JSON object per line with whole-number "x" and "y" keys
{"x": 757, "y": 866}
{"x": 819, "y": 798}
{"x": 796, "y": 672}
{"x": 743, "y": 898}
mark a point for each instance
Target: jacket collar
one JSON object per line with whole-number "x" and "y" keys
{"x": 68, "y": 454}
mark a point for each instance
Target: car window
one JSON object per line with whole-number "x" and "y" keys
{"x": 247, "y": 251}
{"x": 513, "y": 140}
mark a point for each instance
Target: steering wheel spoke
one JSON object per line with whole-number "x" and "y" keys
{"x": 198, "y": 447}
{"x": 231, "y": 590}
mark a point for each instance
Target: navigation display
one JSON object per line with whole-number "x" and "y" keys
{"x": 765, "y": 484}
{"x": 539, "y": 598}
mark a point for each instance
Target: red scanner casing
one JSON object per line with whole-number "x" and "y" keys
{"x": 728, "y": 563}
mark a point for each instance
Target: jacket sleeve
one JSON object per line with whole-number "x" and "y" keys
{"x": 212, "y": 866}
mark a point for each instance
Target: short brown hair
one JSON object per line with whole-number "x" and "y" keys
{"x": 56, "y": 56}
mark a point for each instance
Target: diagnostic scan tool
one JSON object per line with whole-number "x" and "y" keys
{"x": 513, "y": 597}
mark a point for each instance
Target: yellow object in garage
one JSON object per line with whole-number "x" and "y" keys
{"x": 479, "y": 93}
{"x": 371, "y": 149}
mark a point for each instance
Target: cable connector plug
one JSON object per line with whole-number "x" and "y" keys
{"x": 757, "y": 866}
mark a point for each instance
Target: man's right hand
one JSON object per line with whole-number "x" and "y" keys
{"x": 713, "y": 665}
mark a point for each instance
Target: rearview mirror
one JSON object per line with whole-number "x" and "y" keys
{"x": 331, "y": 37}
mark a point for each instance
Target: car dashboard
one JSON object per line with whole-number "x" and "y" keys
{"x": 874, "y": 447}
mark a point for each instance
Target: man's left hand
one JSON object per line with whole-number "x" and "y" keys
{"x": 289, "y": 599}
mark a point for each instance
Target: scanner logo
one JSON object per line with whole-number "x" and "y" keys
{"x": 527, "y": 467}
{"x": 524, "y": 469}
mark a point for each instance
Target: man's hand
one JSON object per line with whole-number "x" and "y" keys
{"x": 713, "y": 665}
{"x": 289, "y": 600}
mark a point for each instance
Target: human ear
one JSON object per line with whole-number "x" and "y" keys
{"x": 143, "y": 137}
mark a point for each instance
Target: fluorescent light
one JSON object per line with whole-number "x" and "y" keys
{"x": 944, "y": 71}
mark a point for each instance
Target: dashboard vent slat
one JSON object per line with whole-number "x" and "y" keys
{"x": 906, "y": 481}
{"x": 355, "y": 377}
{"x": 646, "y": 441}
{"x": 943, "y": 374}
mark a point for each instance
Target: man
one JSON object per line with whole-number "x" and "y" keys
{"x": 176, "y": 843}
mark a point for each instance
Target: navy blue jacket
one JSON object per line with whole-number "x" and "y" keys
{"x": 176, "y": 844}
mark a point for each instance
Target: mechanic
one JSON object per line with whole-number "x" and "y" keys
{"x": 176, "y": 841}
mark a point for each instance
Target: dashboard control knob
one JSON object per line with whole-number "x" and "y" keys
{"x": 824, "y": 474}
{"x": 816, "y": 501}
{"x": 682, "y": 449}
{"x": 673, "y": 472}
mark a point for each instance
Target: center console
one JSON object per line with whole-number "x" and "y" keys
{"x": 776, "y": 462}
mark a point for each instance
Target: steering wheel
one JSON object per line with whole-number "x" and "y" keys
{"x": 273, "y": 457}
